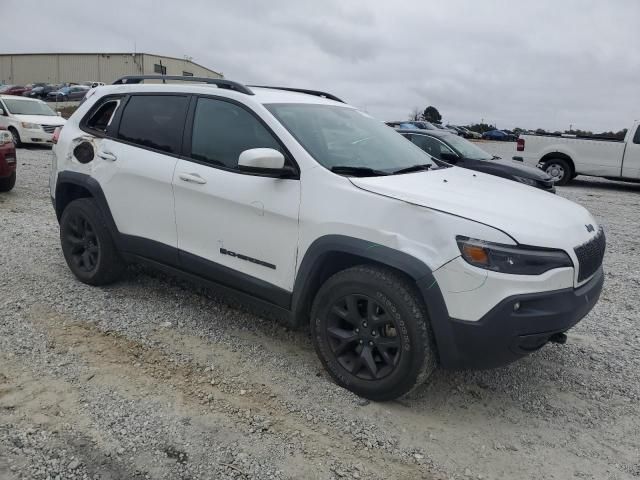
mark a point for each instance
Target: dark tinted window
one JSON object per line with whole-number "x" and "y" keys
{"x": 636, "y": 137}
{"x": 154, "y": 121}
{"x": 101, "y": 119}
{"x": 428, "y": 144}
{"x": 222, "y": 131}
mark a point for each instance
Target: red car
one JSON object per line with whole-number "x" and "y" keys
{"x": 14, "y": 90}
{"x": 7, "y": 161}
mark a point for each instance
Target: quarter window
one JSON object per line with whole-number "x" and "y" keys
{"x": 223, "y": 130}
{"x": 154, "y": 121}
{"x": 101, "y": 119}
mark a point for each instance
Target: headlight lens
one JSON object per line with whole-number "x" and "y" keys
{"x": 511, "y": 259}
{"x": 527, "y": 181}
{"x": 5, "y": 137}
{"x": 30, "y": 126}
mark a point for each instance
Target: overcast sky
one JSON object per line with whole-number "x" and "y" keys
{"x": 533, "y": 63}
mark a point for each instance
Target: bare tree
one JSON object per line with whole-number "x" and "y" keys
{"x": 416, "y": 114}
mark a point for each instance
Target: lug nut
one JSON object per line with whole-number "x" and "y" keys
{"x": 364, "y": 324}
{"x": 371, "y": 344}
{"x": 357, "y": 330}
{"x": 361, "y": 342}
{"x": 373, "y": 333}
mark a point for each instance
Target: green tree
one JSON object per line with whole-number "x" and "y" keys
{"x": 431, "y": 114}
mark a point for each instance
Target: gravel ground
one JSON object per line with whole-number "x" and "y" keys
{"x": 155, "y": 378}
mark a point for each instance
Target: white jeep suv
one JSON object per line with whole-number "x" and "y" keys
{"x": 308, "y": 206}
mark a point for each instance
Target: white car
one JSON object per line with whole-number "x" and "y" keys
{"x": 312, "y": 209}
{"x": 564, "y": 157}
{"x": 29, "y": 120}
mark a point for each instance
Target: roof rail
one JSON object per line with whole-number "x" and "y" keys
{"x": 221, "y": 83}
{"x": 317, "y": 93}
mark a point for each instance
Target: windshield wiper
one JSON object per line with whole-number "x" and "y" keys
{"x": 496, "y": 157}
{"x": 413, "y": 168}
{"x": 357, "y": 171}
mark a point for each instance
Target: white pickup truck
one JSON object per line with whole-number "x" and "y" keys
{"x": 566, "y": 156}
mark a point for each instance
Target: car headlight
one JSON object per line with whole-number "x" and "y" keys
{"x": 30, "y": 126}
{"x": 511, "y": 259}
{"x": 527, "y": 181}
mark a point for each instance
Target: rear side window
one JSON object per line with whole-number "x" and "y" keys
{"x": 101, "y": 119}
{"x": 636, "y": 137}
{"x": 223, "y": 130}
{"x": 154, "y": 121}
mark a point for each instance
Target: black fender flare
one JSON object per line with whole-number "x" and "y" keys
{"x": 93, "y": 187}
{"x": 325, "y": 248}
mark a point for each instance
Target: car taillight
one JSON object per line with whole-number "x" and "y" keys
{"x": 5, "y": 137}
{"x": 520, "y": 146}
{"x": 56, "y": 134}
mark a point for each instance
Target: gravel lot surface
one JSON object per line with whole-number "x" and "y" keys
{"x": 155, "y": 378}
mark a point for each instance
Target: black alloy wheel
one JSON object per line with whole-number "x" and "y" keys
{"x": 363, "y": 337}
{"x": 82, "y": 243}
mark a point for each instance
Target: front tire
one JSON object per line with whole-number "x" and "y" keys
{"x": 87, "y": 244}
{"x": 16, "y": 137}
{"x": 559, "y": 170}
{"x": 372, "y": 333}
{"x": 7, "y": 183}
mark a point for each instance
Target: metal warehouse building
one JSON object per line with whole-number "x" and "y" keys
{"x": 20, "y": 69}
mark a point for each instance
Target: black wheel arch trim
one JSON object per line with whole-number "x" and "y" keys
{"x": 324, "y": 248}
{"x": 92, "y": 186}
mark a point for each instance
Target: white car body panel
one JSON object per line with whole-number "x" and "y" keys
{"x": 470, "y": 292}
{"x": 600, "y": 158}
{"x": 482, "y": 198}
{"x": 239, "y": 214}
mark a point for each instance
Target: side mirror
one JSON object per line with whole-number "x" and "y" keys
{"x": 263, "y": 160}
{"x": 59, "y": 114}
{"x": 449, "y": 157}
{"x": 1, "y": 112}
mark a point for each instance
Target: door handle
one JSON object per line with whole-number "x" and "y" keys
{"x": 106, "y": 155}
{"x": 192, "y": 178}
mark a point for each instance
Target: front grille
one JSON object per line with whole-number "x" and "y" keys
{"x": 49, "y": 128}
{"x": 590, "y": 255}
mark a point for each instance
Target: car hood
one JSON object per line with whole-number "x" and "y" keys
{"x": 529, "y": 215}
{"x": 517, "y": 168}
{"x": 41, "y": 119}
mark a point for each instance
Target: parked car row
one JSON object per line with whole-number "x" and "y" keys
{"x": 51, "y": 91}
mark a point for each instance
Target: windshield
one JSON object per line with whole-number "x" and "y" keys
{"x": 345, "y": 137}
{"x": 28, "y": 107}
{"x": 466, "y": 148}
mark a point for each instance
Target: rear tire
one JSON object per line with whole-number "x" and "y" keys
{"x": 7, "y": 183}
{"x": 87, "y": 244}
{"x": 372, "y": 333}
{"x": 560, "y": 170}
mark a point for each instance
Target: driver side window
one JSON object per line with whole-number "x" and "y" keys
{"x": 223, "y": 130}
